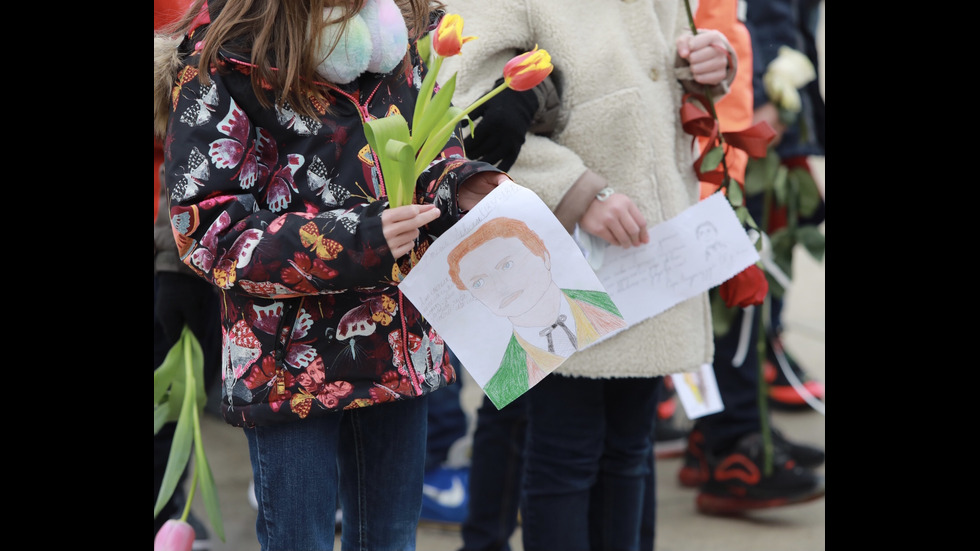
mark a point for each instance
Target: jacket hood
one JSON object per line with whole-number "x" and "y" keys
{"x": 166, "y": 63}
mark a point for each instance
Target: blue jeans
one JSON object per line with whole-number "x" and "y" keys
{"x": 372, "y": 457}
{"x": 587, "y": 454}
{"x": 496, "y": 472}
{"x": 447, "y": 420}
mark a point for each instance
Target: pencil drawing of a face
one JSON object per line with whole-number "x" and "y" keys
{"x": 707, "y": 233}
{"x": 504, "y": 265}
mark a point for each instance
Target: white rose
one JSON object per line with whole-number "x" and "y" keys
{"x": 790, "y": 71}
{"x": 781, "y": 92}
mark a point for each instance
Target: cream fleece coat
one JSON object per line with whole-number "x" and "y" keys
{"x": 616, "y": 66}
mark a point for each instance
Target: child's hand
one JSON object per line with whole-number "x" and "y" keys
{"x": 476, "y": 187}
{"x": 401, "y": 226}
{"x": 617, "y": 220}
{"x": 707, "y": 53}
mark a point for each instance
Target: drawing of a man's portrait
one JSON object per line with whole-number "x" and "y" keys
{"x": 507, "y": 267}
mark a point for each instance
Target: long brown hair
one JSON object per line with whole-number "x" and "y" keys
{"x": 278, "y": 32}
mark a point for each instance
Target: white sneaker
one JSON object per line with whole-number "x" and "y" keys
{"x": 251, "y": 495}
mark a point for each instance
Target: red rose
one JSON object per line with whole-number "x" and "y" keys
{"x": 747, "y": 288}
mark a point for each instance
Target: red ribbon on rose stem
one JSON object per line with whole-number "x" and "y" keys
{"x": 754, "y": 140}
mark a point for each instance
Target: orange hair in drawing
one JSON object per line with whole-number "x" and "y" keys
{"x": 492, "y": 229}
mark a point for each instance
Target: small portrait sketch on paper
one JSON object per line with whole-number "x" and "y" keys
{"x": 507, "y": 267}
{"x": 715, "y": 252}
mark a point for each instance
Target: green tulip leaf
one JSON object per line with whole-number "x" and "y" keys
{"x": 161, "y": 413}
{"x": 209, "y": 489}
{"x": 712, "y": 159}
{"x": 421, "y": 128}
{"x": 379, "y": 132}
{"x": 185, "y": 403}
{"x": 196, "y": 355}
{"x": 166, "y": 375}
{"x": 169, "y": 380}
{"x": 434, "y": 144}
{"x": 424, "y": 46}
{"x": 401, "y": 161}
{"x": 425, "y": 94}
{"x": 180, "y": 449}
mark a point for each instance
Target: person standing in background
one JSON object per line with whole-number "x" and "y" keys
{"x": 617, "y": 162}
{"x": 721, "y": 444}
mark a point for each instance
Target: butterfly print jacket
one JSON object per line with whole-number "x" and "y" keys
{"x": 283, "y": 214}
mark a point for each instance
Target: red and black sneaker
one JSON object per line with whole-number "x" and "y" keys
{"x": 736, "y": 481}
{"x": 782, "y": 393}
{"x": 694, "y": 471}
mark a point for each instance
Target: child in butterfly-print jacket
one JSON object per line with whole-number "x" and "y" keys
{"x": 277, "y": 200}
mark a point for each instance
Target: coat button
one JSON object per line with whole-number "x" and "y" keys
{"x": 654, "y": 74}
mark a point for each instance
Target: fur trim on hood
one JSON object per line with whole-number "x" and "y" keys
{"x": 166, "y": 63}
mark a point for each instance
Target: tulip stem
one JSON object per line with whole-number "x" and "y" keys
{"x": 426, "y": 151}
{"x": 190, "y": 494}
{"x": 455, "y": 120}
{"x": 190, "y": 393}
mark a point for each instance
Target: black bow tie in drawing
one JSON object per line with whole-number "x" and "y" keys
{"x": 546, "y": 332}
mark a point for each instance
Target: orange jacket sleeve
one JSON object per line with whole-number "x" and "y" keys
{"x": 735, "y": 108}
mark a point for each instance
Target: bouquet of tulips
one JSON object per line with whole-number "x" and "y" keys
{"x": 405, "y": 153}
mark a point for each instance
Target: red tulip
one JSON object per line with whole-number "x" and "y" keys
{"x": 747, "y": 288}
{"x": 174, "y": 535}
{"x": 527, "y": 70}
{"x": 448, "y": 39}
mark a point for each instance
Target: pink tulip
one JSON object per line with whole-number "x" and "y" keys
{"x": 174, "y": 535}
{"x": 448, "y": 38}
{"x": 527, "y": 70}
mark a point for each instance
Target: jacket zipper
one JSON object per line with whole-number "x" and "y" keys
{"x": 283, "y": 338}
{"x": 406, "y": 355}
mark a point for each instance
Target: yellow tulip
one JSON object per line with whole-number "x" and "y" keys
{"x": 448, "y": 39}
{"x": 527, "y": 70}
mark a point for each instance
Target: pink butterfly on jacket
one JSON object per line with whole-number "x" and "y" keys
{"x": 230, "y": 152}
{"x": 281, "y": 187}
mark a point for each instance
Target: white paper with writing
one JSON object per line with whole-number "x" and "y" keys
{"x": 698, "y": 249}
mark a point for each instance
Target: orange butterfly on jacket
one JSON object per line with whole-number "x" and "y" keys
{"x": 186, "y": 75}
{"x": 324, "y": 247}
